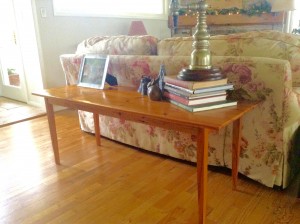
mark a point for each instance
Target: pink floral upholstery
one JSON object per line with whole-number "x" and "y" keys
{"x": 71, "y": 64}
{"x": 270, "y": 44}
{"x": 266, "y": 133}
{"x": 119, "y": 45}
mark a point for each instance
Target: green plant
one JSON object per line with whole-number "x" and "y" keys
{"x": 11, "y": 71}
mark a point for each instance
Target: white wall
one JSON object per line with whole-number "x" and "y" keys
{"x": 61, "y": 34}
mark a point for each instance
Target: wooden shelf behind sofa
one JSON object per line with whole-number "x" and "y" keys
{"x": 236, "y": 19}
{"x": 188, "y": 22}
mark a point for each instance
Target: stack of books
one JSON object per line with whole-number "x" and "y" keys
{"x": 197, "y": 96}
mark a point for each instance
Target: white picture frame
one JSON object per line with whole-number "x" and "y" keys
{"x": 93, "y": 70}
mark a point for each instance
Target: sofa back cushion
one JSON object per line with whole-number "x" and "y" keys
{"x": 269, "y": 44}
{"x": 119, "y": 45}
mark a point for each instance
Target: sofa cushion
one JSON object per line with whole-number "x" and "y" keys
{"x": 119, "y": 45}
{"x": 269, "y": 44}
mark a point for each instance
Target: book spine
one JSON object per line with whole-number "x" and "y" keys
{"x": 205, "y": 95}
{"x": 192, "y": 85}
{"x": 177, "y": 93}
{"x": 178, "y": 82}
{"x": 194, "y": 102}
{"x": 215, "y": 106}
{"x": 176, "y": 98}
{"x": 201, "y": 90}
{"x": 194, "y": 96}
{"x": 214, "y": 89}
{"x": 180, "y": 88}
{"x": 208, "y": 106}
{"x": 180, "y": 105}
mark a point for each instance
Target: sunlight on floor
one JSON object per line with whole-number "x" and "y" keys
{"x": 21, "y": 163}
{"x": 14, "y": 111}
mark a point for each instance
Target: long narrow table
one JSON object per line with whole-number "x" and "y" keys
{"x": 124, "y": 103}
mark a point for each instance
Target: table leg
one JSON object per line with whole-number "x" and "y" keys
{"x": 236, "y": 148}
{"x": 97, "y": 128}
{"x": 52, "y": 128}
{"x": 202, "y": 161}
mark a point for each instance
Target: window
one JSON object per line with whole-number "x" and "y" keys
{"x": 296, "y": 16}
{"x": 112, "y": 8}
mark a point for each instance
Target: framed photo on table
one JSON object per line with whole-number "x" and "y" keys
{"x": 93, "y": 70}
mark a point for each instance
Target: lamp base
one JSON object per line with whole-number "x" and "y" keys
{"x": 211, "y": 74}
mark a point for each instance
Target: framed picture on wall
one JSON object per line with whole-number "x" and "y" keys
{"x": 93, "y": 70}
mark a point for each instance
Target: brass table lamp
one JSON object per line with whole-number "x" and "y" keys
{"x": 201, "y": 68}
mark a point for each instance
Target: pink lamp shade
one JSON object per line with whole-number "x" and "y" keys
{"x": 137, "y": 28}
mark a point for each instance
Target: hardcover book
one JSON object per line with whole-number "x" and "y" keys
{"x": 207, "y": 106}
{"x": 198, "y": 101}
{"x": 190, "y": 96}
{"x": 192, "y": 85}
{"x": 202, "y": 90}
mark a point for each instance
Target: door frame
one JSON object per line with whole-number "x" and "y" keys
{"x": 7, "y": 90}
{"x": 33, "y": 78}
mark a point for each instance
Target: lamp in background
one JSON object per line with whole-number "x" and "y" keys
{"x": 137, "y": 28}
{"x": 201, "y": 68}
{"x": 283, "y": 6}
{"x": 280, "y": 5}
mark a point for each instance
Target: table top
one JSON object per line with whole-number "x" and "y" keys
{"x": 127, "y": 103}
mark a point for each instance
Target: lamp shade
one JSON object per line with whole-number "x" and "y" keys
{"x": 283, "y": 5}
{"x": 137, "y": 28}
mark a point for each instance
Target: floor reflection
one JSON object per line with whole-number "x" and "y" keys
{"x": 12, "y": 112}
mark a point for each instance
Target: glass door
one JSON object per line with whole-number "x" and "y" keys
{"x": 296, "y": 18}
{"x": 12, "y": 83}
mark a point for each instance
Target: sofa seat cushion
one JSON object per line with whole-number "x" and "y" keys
{"x": 119, "y": 45}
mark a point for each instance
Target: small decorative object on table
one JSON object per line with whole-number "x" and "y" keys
{"x": 144, "y": 85}
{"x": 161, "y": 77}
{"x": 93, "y": 71}
{"x": 111, "y": 80}
{"x": 154, "y": 92}
{"x": 156, "y": 86}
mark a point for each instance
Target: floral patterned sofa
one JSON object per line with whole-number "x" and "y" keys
{"x": 261, "y": 65}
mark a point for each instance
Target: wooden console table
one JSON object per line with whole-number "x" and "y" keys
{"x": 128, "y": 104}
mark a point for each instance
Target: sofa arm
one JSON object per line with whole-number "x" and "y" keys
{"x": 265, "y": 79}
{"x": 71, "y": 64}
{"x": 295, "y": 66}
{"x": 119, "y": 45}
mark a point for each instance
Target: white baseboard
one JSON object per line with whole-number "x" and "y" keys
{"x": 42, "y": 105}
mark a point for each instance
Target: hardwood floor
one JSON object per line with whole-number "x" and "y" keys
{"x": 12, "y": 112}
{"x": 115, "y": 184}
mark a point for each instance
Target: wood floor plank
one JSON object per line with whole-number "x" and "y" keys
{"x": 12, "y": 112}
{"x": 114, "y": 183}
